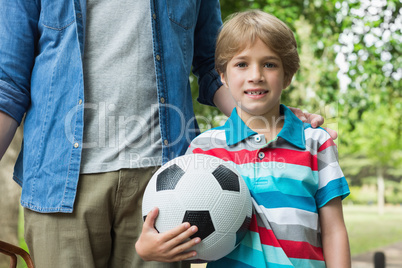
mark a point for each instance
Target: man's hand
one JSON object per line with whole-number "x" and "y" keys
{"x": 314, "y": 119}
{"x": 170, "y": 246}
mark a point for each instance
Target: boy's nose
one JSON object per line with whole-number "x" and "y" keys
{"x": 256, "y": 75}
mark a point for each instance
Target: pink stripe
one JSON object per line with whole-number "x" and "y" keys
{"x": 287, "y": 156}
{"x": 326, "y": 144}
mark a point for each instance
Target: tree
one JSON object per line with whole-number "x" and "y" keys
{"x": 371, "y": 101}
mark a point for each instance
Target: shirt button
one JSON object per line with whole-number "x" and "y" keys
{"x": 80, "y": 102}
{"x": 76, "y": 145}
{"x": 166, "y": 142}
{"x": 261, "y": 155}
{"x": 158, "y": 58}
{"x": 79, "y": 15}
{"x": 154, "y": 16}
{"x": 257, "y": 138}
{"x": 162, "y": 100}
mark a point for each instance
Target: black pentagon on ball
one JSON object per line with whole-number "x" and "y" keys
{"x": 168, "y": 178}
{"x": 201, "y": 219}
{"x": 241, "y": 233}
{"x": 227, "y": 178}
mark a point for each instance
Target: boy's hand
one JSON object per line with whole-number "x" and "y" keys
{"x": 314, "y": 119}
{"x": 170, "y": 246}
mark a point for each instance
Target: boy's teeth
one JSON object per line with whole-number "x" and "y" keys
{"x": 254, "y": 92}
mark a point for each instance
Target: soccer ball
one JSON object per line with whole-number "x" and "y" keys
{"x": 204, "y": 191}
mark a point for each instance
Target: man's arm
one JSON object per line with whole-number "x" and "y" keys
{"x": 224, "y": 101}
{"x": 18, "y": 25}
{"x": 7, "y": 131}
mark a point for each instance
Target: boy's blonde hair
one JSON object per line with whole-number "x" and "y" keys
{"x": 241, "y": 31}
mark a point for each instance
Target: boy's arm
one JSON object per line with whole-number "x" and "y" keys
{"x": 334, "y": 235}
{"x": 7, "y": 131}
{"x": 170, "y": 246}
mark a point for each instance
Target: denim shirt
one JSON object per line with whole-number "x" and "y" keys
{"x": 41, "y": 77}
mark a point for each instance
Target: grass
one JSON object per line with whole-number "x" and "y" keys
{"x": 368, "y": 230}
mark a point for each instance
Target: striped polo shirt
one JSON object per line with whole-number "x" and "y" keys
{"x": 289, "y": 179}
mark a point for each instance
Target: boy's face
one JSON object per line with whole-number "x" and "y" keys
{"x": 255, "y": 78}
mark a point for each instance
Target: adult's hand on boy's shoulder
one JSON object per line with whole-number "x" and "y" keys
{"x": 315, "y": 120}
{"x": 170, "y": 246}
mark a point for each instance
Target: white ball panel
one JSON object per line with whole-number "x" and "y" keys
{"x": 226, "y": 213}
{"x": 198, "y": 191}
{"x": 215, "y": 246}
{"x": 171, "y": 212}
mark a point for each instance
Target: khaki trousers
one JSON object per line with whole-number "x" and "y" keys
{"x": 102, "y": 230}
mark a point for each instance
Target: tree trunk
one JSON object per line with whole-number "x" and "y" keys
{"x": 380, "y": 190}
{"x": 9, "y": 196}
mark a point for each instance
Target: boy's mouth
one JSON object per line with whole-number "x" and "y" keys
{"x": 255, "y": 92}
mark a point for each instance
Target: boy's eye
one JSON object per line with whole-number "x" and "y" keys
{"x": 269, "y": 65}
{"x": 241, "y": 64}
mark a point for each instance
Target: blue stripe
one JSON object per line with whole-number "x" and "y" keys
{"x": 297, "y": 172}
{"x": 248, "y": 256}
{"x": 280, "y": 200}
{"x": 335, "y": 188}
{"x": 283, "y": 184}
{"x": 305, "y": 263}
{"x": 226, "y": 262}
{"x": 276, "y": 255}
{"x": 252, "y": 241}
{"x": 275, "y": 265}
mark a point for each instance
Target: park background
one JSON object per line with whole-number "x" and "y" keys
{"x": 351, "y": 70}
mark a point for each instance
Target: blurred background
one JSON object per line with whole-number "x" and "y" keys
{"x": 351, "y": 70}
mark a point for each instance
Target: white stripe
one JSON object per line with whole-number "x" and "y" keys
{"x": 291, "y": 216}
{"x": 319, "y": 135}
{"x": 215, "y": 133}
{"x": 210, "y": 139}
{"x": 329, "y": 173}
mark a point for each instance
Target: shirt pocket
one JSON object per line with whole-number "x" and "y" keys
{"x": 57, "y": 15}
{"x": 183, "y": 13}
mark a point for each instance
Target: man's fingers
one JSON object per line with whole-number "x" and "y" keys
{"x": 299, "y": 113}
{"x": 332, "y": 133}
{"x": 314, "y": 120}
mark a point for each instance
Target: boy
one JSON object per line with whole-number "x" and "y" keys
{"x": 290, "y": 168}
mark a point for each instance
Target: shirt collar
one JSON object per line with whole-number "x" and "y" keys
{"x": 293, "y": 129}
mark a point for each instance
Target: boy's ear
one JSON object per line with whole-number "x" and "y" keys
{"x": 223, "y": 79}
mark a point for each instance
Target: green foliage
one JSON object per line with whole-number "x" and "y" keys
{"x": 367, "y": 194}
{"x": 371, "y": 105}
